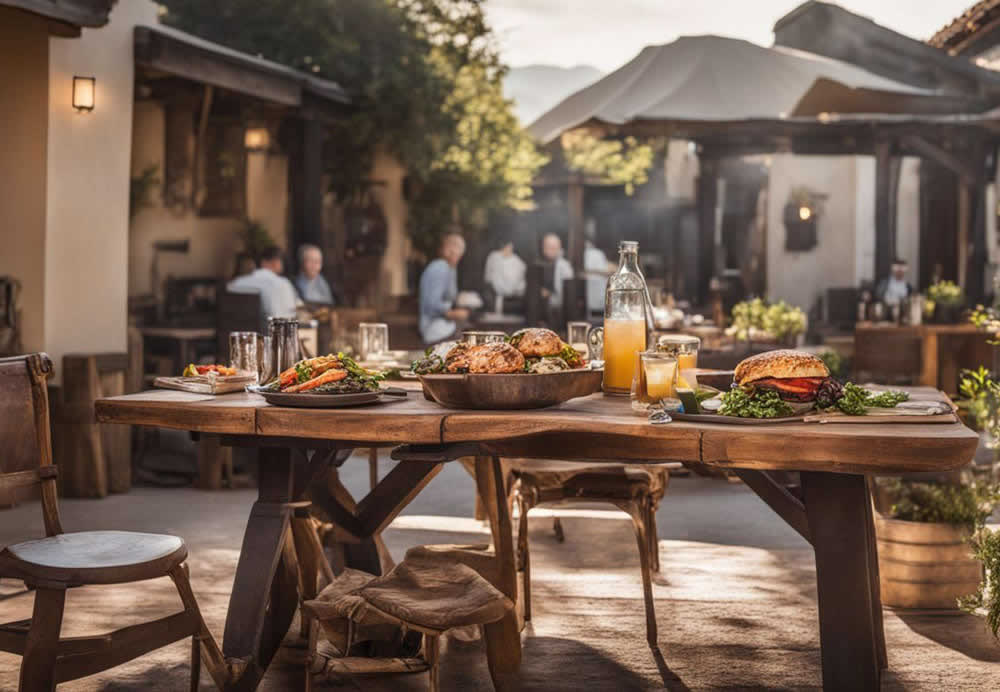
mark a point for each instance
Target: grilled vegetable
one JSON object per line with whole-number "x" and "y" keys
{"x": 327, "y": 377}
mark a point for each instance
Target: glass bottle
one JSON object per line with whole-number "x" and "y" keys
{"x": 628, "y": 320}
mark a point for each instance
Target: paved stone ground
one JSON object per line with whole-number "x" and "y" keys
{"x": 735, "y": 602}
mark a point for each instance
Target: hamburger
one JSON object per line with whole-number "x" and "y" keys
{"x": 800, "y": 380}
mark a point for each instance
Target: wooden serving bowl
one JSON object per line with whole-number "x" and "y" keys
{"x": 512, "y": 391}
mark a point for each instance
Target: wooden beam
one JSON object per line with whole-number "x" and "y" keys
{"x": 941, "y": 156}
{"x": 576, "y": 237}
{"x": 778, "y": 498}
{"x": 885, "y": 231}
{"x": 964, "y": 209}
{"x": 393, "y": 493}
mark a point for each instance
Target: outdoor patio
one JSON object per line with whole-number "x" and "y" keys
{"x": 735, "y": 600}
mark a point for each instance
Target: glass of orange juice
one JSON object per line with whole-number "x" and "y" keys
{"x": 685, "y": 349}
{"x": 654, "y": 382}
{"x": 624, "y": 339}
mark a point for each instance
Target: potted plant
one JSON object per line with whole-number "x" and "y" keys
{"x": 757, "y": 320}
{"x": 925, "y": 557}
{"x": 985, "y": 600}
{"x": 945, "y": 302}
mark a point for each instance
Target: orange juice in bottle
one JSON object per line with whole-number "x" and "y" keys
{"x": 627, "y": 321}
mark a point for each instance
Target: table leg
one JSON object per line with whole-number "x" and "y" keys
{"x": 850, "y": 610}
{"x": 257, "y": 621}
{"x": 929, "y": 356}
{"x": 503, "y": 639}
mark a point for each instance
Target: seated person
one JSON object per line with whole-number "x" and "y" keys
{"x": 311, "y": 284}
{"x": 894, "y": 289}
{"x": 561, "y": 269}
{"x": 438, "y": 290}
{"x": 277, "y": 295}
{"x": 505, "y": 271}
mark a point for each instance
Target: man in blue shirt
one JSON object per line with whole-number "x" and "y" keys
{"x": 438, "y": 290}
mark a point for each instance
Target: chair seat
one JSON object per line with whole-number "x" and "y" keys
{"x": 428, "y": 596}
{"x": 93, "y": 557}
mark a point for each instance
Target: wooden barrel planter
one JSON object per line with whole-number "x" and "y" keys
{"x": 924, "y": 565}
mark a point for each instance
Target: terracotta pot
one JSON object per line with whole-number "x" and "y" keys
{"x": 924, "y": 565}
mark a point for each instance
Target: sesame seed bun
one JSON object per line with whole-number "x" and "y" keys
{"x": 781, "y": 364}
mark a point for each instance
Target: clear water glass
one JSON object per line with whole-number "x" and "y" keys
{"x": 373, "y": 338}
{"x": 243, "y": 353}
{"x": 576, "y": 336}
{"x": 475, "y": 338}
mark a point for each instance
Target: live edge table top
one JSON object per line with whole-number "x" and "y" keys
{"x": 595, "y": 427}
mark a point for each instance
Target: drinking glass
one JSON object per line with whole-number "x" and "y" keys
{"x": 654, "y": 382}
{"x": 373, "y": 338}
{"x": 576, "y": 335}
{"x": 685, "y": 349}
{"x": 475, "y": 338}
{"x": 265, "y": 360}
{"x": 243, "y": 353}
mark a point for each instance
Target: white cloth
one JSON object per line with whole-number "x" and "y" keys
{"x": 505, "y": 273}
{"x": 278, "y": 297}
{"x": 595, "y": 262}
{"x": 563, "y": 270}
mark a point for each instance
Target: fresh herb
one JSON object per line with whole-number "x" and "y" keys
{"x": 428, "y": 365}
{"x": 986, "y": 600}
{"x": 968, "y": 505}
{"x": 303, "y": 373}
{"x": 571, "y": 356}
{"x": 759, "y": 403}
{"x": 368, "y": 378}
{"x": 857, "y": 400}
{"x": 515, "y": 338}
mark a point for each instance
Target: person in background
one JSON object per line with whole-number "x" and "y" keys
{"x": 598, "y": 269}
{"x": 438, "y": 290}
{"x": 894, "y": 289}
{"x": 245, "y": 264}
{"x": 277, "y": 295}
{"x": 505, "y": 271}
{"x": 552, "y": 252}
{"x": 311, "y": 284}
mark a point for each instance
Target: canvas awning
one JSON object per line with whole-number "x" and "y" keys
{"x": 178, "y": 53}
{"x": 713, "y": 80}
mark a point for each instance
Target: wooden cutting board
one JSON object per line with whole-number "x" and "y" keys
{"x": 205, "y": 385}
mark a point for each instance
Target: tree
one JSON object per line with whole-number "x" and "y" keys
{"x": 425, "y": 79}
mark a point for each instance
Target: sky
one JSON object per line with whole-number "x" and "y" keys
{"x": 607, "y": 33}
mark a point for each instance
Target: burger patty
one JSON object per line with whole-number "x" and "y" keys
{"x": 792, "y": 388}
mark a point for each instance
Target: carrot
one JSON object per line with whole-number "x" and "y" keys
{"x": 315, "y": 365}
{"x": 326, "y": 378}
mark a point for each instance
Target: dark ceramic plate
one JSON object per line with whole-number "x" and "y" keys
{"x": 307, "y": 400}
{"x": 511, "y": 391}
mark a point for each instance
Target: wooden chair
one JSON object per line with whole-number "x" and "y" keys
{"x": 429, "y": 596}
{"x": 61, "y": 560}
{"x": 635, "y": 490}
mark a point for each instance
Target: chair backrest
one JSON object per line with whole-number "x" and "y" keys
{"x": 235, "y": 312}
{"x": 889, "y": 355}
{"x": 26, "y": 459}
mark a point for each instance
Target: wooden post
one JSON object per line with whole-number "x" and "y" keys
{"x": 707, "y": 193}
{"x": 576, "y": 238}
{"x": 306, "y": 183}
{"x": 964, "y": 204}
{"x": 885, "y": 207}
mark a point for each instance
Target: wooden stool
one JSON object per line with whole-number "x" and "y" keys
{"x": 636, "y": 490}
{"x": 426, "y": 596}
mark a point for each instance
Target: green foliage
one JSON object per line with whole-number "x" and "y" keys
{"x": 945, "y": 293}
{"x": 140, "y": 187}
{"x": 256, "y": 238}
{"x": 981, "y": 399}
{"x": 759, "y": 403}
{"x": 424, "y": 77}
{"x": 986, "y": 600}
{"x": 856, "y": 400}
{"x": 758, "y": 319}
{"x": 968, "y": 505}
{"x": 615, "y": 161}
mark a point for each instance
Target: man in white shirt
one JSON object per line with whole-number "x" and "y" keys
{"x": 561, "y": 270}
{"x": 894, "y": 289}
{"x": 277, "y": 294}
{"x": 505, "y": 271}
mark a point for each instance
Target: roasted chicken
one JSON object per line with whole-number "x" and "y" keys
{"x": 537, "y": 342}
{"x": 494, "y": 358}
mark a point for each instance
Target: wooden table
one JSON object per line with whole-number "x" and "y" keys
{"x": 945, "y": 349}
{"x": 831, "y": 508}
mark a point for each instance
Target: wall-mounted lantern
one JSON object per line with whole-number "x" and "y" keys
{"x": 257, "y": 139}
{"x": 84, "y": 90}
{"x": 802, "y": 211}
